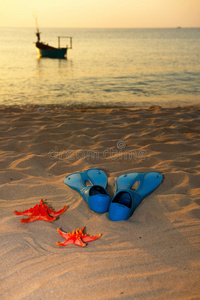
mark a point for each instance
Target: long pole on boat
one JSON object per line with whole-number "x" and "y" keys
{"x": 38, "y": 32}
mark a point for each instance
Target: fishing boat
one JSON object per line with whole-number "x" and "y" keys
{"x": 48, "y": 51}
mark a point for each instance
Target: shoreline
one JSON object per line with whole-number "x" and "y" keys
{"x": 50, "y": 107}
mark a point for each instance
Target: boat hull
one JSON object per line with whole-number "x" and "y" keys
{"x": 48, "y": 51}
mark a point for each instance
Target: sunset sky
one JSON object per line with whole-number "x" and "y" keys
{"x": 100, "y": 13}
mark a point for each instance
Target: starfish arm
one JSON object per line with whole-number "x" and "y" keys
{"x": 25, "y": 213}
{"x": 29, "y": 220}
{"x": 66, "y": 242}
{"x": 79, "y": 242}
{"x": 88, "y": 239}
{"x": 63, "y": 234}
{"x": 28, "y": 212}
{"x": 36, "y": 218}
{"x": 47, "y": 218}
{"x": 42, "y": 204}
{"x": 56, "y": 213}
{"x": 60, "y": 244}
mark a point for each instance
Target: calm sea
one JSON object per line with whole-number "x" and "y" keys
{"x": 106, "y": 67}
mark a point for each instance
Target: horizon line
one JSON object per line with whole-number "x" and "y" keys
{"x": 163, "y": 27}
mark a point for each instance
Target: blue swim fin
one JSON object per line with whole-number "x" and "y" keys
{"x": 125, "y": 199}
{"x": 95, "y": 195}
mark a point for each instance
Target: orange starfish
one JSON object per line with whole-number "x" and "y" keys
{"x": 40, "y": 212}
{"x": 77, "y": 237}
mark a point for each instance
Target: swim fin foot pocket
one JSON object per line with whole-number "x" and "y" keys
{"x": 95, "y": 194}
{"x": 125, "y": 200}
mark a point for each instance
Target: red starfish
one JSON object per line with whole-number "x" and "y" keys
{"x": 77, "y": 237}
{"x": 40, "y": 212}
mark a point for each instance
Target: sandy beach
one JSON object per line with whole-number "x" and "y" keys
{"x": 153, "y": 255}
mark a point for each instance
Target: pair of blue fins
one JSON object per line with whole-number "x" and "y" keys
{"x": 125, "y": 199}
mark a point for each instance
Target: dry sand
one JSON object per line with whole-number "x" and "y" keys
{"x": 153, "y": 255}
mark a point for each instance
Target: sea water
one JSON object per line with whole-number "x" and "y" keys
{"x": 105, "y": 68}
